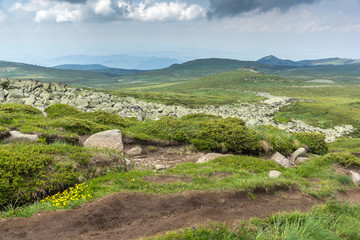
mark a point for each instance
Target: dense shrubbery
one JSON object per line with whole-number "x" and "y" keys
{"x": 213, "y": 133}
{"x": 343, "y": 158}
{"x": 31, "y": 171}
{"x": 276, "y": 140}
{"x": 61, "y": 110}
{"x": 314, "y": 141}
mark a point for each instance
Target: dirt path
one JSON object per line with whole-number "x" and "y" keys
{"x": 133, "y": 215}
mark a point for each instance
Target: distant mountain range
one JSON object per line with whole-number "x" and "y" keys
{"x": 115, "y": 61}
{"x": 111, "y": 72}
{"x": 272, "y": 60}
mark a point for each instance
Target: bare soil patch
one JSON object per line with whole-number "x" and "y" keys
{"x": 133, "y": 215}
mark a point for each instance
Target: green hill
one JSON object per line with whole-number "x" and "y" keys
{"x": 44, "y": 74}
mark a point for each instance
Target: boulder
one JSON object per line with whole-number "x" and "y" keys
{"x": 274, "y": 174}
{"x": 15, "y": 93}
{"x": 111, "y": 139}
{"x": 18, "y": 136}
{"x": 134, "y": 151}
{"x": 355, "y": 178}
{"x": 301, "y": 152}
{"x": 210, "y": 156}
{"x": 281, "y": 160}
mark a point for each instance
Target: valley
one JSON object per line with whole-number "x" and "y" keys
{"x": 192, "y": 153}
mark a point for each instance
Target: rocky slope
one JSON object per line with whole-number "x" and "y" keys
{"x": 41, "y": 95}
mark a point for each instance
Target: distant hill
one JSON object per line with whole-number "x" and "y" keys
{"x": 272, "y": 60}
{"x": 82, "y": 67}
{"x": 111, "y": 72}
{"x": 115, "y": 61}
{"x": 44, "y": 74}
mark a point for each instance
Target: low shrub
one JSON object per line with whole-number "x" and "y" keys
{"x": 111, "y": 119}
{"x": 276, "y": 140}
{"x": 78, "y": 125}
{"x": 343, "y": 158}
{"x": 19, "y": 109}
{"x": 314, "y": 141}
{"x": 61, "y": 110}
{"x": 212, "y": 133}
{"x": 32, "y": 171}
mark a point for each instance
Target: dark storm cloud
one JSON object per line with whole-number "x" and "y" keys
{"x": 231, "y": 8}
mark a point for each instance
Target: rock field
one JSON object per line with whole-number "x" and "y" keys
{"x": 41, "y": 95}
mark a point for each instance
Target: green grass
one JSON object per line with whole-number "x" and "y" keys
{"x": 346, "y": 144}
{"x": 330, "y": 221}
{"x": 29, "y": 172}
{"x": 240, "y": 173}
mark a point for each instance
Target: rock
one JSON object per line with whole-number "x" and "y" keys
{"x": 134, "y": 151}
{"x": 274, "y": 174}
{"x": 160, "y": 167}
{"x": 111, "y": 139}
{"x": 281, "y": 160}
{"x": 355, "y": 178}
{"x": 300, "y": 160}
{"x": 18, "y": 136}
{"x": 210, "y": 156}
{"x": 301, "y": 152}
{"x": 15, "y": 93}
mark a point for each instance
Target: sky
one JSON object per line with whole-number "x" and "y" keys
{"x": 33, "y": 31}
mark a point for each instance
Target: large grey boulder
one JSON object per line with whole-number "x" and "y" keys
{"x": 301, "y": 152}
{"x": 18, "y": 136}
{"x": 210, "y": 156}
{"x": 355, "y": 178}
{"x": 111, "y": 139}
{"x": 281, "y": 160}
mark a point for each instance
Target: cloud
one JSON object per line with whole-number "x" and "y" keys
{"x": 231, "y": 8}
{"x": 109, "y": 10}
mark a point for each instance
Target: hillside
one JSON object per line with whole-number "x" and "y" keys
{"x": 44, "y": 74}
{"x": 272, "y": 60}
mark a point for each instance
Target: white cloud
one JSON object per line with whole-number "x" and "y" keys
{"x": 93, "y": 10}
{"x": 2, "y": 16}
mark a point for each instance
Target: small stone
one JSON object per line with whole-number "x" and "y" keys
{"x": 300, "y": 160}
{"x": 134, "y": 151}
{"x": 355, "y": 178}
{"x": 274, "y": 174}
{"x": 18, "y": 136}
{"x": 210, "y": 156}
{"x": 160, "y": 167}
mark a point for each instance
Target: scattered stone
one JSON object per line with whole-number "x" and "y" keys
{"x": 18, "y": 136}
{"x": 108, "y": 139}
{"x": 274, "y": 174}
{"x": 210, "y": 156}
{"x": 281, "y": 160}
{"x": 160, "y": 167}
{"x": 355, "y": 178}
{"x": 301, "y": 152}
{"x": 134, "y": 151}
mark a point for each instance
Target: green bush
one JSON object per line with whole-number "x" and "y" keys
{"x": 19, "y": 109}
{"x": 278, "y": 140}
{"x": 61, "y": 110}
{"x": 343, "y": 158}
{"x": 314, "y": 141}
{"x": 32, "y": 171}
{"x": 77, "y": 125}
{"x": 211, "y": 133}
